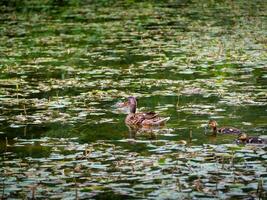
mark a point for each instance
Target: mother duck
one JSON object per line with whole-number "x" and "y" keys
{"x": 142, "y": 119}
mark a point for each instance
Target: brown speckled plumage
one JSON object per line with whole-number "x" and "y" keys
{"x": 245, "y": 139}
{"x": 224, "y": 130}
{"x": 143, "y": 118}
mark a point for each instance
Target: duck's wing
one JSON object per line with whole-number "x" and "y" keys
{"x": 149, "y": 115}
{"x": 155, "y": 121}
{"x": 145, "y": 119}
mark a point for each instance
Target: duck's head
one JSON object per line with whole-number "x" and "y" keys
{"x": 242, "y": 137}
{"x": 132, "y": 103}
{"x": 212, "y": 124}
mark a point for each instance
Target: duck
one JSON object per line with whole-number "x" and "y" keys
{"x": 224, "y": 130}
{"x": 243, "y": 138}
{"x": 142, "y": 119}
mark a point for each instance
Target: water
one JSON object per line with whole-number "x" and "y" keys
{"x": 64, "y": 65}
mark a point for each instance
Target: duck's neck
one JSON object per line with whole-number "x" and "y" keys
{"x": 133, "y": 105}
{"x": 132, "y": 108}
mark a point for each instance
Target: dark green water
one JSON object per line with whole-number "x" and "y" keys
{"x": 65, "y": 64}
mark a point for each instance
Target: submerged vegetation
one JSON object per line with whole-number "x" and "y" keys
{"x": 65, "y": 64}
{"x": 166, "y": 171}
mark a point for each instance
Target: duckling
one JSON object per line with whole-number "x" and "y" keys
{"x": 142, "y": 119}
{"x": 224, "y": 130}
{"x": 245, "y": 139}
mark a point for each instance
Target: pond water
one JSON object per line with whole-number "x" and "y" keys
{"x": 64, "y": 65}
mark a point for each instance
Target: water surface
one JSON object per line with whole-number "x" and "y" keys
{"x": 64, "y": 65}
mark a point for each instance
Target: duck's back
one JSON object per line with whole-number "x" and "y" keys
{"x": 145, "y": 119}
{"x": 229, "y": 130}
{"x": 256, "y": 140}
{"x": 156, "y": 121}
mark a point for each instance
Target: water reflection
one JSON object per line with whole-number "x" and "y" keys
{"x": 137, "y": 132}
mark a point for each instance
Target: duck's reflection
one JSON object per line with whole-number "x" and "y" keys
{"x": 136, "y": 132}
